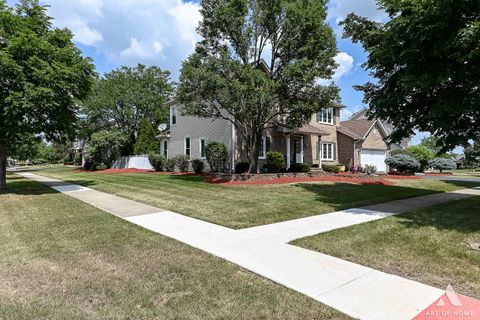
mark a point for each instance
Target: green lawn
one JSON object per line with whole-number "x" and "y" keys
{"x": 428, "y": 245}
{"x": 63, "y": 259}
{"x": 246, "y": 206}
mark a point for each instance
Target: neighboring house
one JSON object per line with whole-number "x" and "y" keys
{"x": 364, "y": 141}
{"x": 314, "y": 143}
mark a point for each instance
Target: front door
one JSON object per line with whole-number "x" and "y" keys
{"x": 297, "y": 151}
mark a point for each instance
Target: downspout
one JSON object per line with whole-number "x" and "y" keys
{"x": 233, "y": 148}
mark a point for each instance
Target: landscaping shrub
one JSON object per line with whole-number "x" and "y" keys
{"x": 275, "y": 161}
{"x": 403, "y": 163}
{"x": 421, "y": 153}
{"x": 105, "y": 147}
{"x": 88, "y": 165}
{"x": 37, "y": 162}
{"x": 299, "y": 167}
{"x": 182, "y": 162}
{"x": 217, "y": 156}
{"x": 370, "y": 169}
{"x": 157, "y": 161}
{"x": 170, "y": 164}
{"x": 198, "y": 166}
{"x": 442, "y": 164}
{"x": 101, "y": 166}
{"x": 333, "y": 168}
{"x": 242, "y": 167}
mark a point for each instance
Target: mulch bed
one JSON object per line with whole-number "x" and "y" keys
{"x": 347, "y": 178}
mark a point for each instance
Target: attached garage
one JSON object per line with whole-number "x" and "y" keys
{"x": 374, "y": 157}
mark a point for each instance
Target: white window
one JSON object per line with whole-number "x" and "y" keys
{"x": 327, "y": 151}
{"x": 173, "y": 116}
{"x": 202, "y": 142}
{"x": 325, "y": 116}
{"x": 165, "y": 148}
{"x": 264, "y": 147}
{"x": 187, "y": 147}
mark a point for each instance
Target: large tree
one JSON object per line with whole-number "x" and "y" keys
{"x": 43, "y": 75}
{"x": 427, "y": 62}
{"x": 258, "y": 66}
{"x": 122, "y": 98}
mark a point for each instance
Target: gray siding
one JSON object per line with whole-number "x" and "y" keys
{"x": 213, "y": 130}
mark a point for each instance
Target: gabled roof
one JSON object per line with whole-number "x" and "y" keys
{"x": 357, "y": 129}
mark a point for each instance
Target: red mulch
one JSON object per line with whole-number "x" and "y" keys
{"x": 348, "y": 178}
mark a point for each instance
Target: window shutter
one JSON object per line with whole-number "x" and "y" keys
{"x": 334, "y": 146}
{"x": 334, "y": 112}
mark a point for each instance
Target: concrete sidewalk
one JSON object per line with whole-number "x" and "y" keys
{"x": 356, "y": 290}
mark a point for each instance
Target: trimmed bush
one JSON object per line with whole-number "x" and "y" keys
{"x": 242, "y": 167}
{"x": 442, "y": 164}
{"x": 333, "y": 168}
{"x": 275, "y": 161}
{"x": 157, "y": 161}
{"x": 170, "y": 164}
{"x": 299, "y": 167}
{"x": 217, "y": 156}
{"x": 101, "y": 166}
{"x": 182, "y": 162}
{"x": 198, "y": 166}
{"x": 370, "y": 169}
{"x": 403, "y": 163}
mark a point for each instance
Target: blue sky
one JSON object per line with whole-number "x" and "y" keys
{"x": 162, "y": 32}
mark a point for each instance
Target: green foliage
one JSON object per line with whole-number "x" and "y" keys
{"x": 442, "y": 164}
{"x": 105, "y": 147}
{"x": 369, "y": 169}
{"x": 426, "y": 60}
{"x": 170, "y": 164}
{"x": 157, "y": 161}
{"x": 403, "y": 163}
{"x": 299, "y": 167}
{"x": 146, "y": 141}
{"x": 228, "y": 78}
{"x": 472, "y": 152}
{"x": 217, "y": 156}
{"x": 125, "y": 98}
{"x": 198, "y": 166}
{"x": 275, "y": 161}
{"x": 43, "y": 76}
{"x": 242, "y": 167}
{"x": 332, "y": 168}
{"x": 182, "y": 162}
{"x": 421, "y": 153}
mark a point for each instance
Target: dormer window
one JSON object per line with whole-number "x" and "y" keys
{"x": 173, "y": 116}
{"x": 325, "y": 116}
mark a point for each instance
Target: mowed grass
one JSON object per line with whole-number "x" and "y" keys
{"x": 248, "y": 205}
{"x": 63, "y": 259}
{"x": 428, "y": 245}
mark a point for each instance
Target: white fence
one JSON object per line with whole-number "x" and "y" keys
{"x": 133, "y": 162}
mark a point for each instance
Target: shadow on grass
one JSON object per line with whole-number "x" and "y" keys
{"x": 21, "y": 186}
{"x": 462, "y": 216}
{"x": 346, "y": 195}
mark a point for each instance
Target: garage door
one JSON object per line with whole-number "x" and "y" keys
{"x": 374, "y": 157}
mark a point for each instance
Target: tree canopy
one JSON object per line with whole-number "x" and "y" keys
{"x": 43, "y": 77}
{"x": 258, "y": 66}
{"x": 427, "y": 62}
{"x": 122, "y": 98}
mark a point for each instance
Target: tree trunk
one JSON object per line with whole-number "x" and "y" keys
{"x": 3, "y": 165}
{"x": 253, "y": 146}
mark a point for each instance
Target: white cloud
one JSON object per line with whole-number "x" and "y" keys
{"x": 153, "y": 32}
{"x": 339, "y": 9}
{"x": 345, "y": 64}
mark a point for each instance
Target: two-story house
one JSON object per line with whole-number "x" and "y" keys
{"x": 314, "y": 143}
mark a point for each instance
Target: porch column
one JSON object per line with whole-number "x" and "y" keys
{"x": 301, "y": 148}
{"x": 287, "y": 142}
